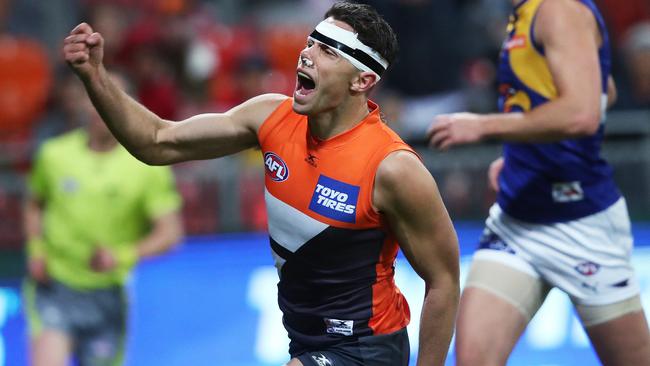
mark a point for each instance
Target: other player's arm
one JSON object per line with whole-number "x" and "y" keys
{"x": 166, "y": 232}
{"x": 162, "y": 203}
{"x": 569, "y": 34}
{"x": 497, "y": 165}
{"x": 406, "y": 194}
{"x": 150, "y": 138}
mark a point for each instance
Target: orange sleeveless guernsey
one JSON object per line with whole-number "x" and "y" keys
{"x": 334, "y": 253}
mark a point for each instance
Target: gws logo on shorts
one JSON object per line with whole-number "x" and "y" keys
{"x": 321, "y": 360}
{"x": 587, "y": 268}
{"x": 276, "y": 168}
{"x": 335, "y": 199}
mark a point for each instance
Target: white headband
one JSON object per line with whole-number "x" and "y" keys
{"x": 346, "y": 44}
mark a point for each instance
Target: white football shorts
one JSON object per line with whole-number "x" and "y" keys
{"x": 588, "y": 258}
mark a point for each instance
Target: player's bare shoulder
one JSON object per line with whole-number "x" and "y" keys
{"x": 256, "y": 110}
{"x": 397, "y": 164}
{"x": 400, "y": 174}
{"x": 553, "y": 15}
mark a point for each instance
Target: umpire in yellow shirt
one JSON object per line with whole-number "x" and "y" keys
{"x": 92, "y": 212}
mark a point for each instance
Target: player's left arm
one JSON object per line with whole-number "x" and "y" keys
{"x": 162, "y": 203}
{"x": 406, "y": 194}
{"x": 165, "y": 233}
{"x": 569, "y": 34}
{"x": 33, "y": 231}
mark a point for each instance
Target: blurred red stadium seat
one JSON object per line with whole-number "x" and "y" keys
{"x": 25, "y": 79}
{"x": 283, "y": 43}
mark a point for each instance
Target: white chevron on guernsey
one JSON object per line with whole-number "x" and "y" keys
{"x": 289, "y": 227}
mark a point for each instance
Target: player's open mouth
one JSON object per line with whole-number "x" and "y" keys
{"x": 305, "y": 84}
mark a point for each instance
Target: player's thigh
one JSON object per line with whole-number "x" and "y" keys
{"x": 618, "y": 332}
{"x": 50, "y": 347}
{"x": 496, "y": 305}
{"x": 294, "y": 362}
{"x": 49, "y": 327}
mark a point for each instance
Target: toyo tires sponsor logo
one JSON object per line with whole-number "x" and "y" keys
{"x": 275, "y": 167}
{"x": 335, "y": 199}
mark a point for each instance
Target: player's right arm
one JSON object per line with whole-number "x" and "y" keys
{"x": 408, "y": 198}
{"x": 150, "y": 138}
{"x": 34, "y": 207}
{"x": 568, "y": 32}
{"x": 497, "y": 165}
{"x": 32, "y": 218}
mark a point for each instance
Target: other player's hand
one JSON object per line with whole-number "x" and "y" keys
{"x": 102, "y": 260}
{"x": 83, "y": 50}
{"x": 493, "y": 173}
{"x": 37, "y": 269}
{"x": 448, "y": 130}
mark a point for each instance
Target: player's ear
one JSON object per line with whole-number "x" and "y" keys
{"x": 363, "y": 82}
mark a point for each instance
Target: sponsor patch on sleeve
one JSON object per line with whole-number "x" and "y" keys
{"x": 335, "y": 199}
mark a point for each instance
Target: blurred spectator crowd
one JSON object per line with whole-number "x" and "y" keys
{"x": 185, "y": 57}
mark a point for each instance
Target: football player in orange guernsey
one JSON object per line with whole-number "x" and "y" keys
{"x": 343, "y": 192}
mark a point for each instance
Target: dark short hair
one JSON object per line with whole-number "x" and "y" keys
{"x": 371, "y": 27}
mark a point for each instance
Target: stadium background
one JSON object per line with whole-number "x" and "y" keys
{"x": 212, "y": 301}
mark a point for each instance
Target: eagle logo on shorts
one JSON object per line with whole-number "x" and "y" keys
{"x": 490, "y": 240}
{"x": 587, "y": 268}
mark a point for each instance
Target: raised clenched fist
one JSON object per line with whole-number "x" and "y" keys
{"x": 83, "y": 50}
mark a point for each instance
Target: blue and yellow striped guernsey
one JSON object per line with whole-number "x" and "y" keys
{"x": 550, "y": 182}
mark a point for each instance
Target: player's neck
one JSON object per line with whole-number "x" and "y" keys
{"x": 331, "y": 123}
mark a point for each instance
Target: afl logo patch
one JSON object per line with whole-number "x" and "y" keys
{"x": 275, "y": 167}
